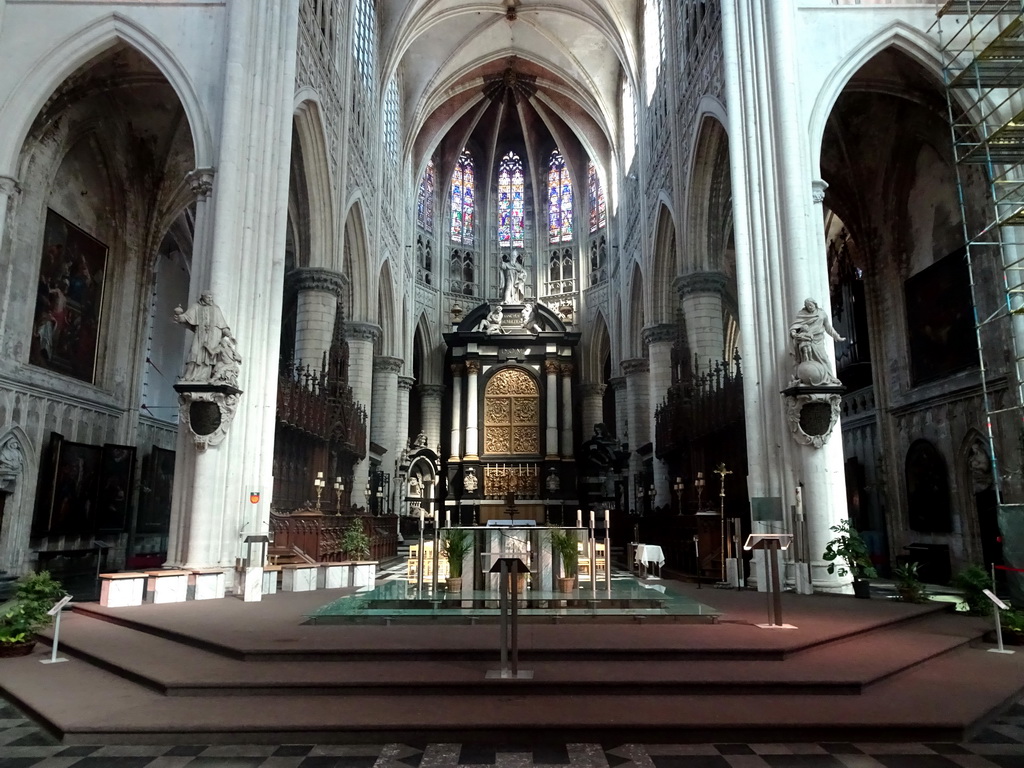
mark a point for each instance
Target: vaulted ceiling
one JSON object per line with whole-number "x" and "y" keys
{"x": 555, "y": 67}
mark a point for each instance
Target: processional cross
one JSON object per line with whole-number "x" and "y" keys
{"x": 721, "y": 471}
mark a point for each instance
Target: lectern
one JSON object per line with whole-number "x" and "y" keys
{"x": 509, "y": 564}
{"x": 772, "y": 543}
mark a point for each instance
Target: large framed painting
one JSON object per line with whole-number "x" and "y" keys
{"x": 117, "y": 471}
{"x": 940, "y": 321}
{"x": 155, "y": 494}
{"x": 69, "y": 300}
{"x": 71, "y": 488}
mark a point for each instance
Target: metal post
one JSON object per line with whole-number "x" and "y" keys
{"x": 515, "y": 621}
{"x": 436, "y": 558}
{"x": 503, "y": 608}
{"x": 773, "y": 556}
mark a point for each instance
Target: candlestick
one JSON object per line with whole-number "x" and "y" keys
{"x": 579, "y": 518}
{"x": 606, "y": 520}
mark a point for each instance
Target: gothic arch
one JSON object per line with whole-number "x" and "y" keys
{"x": 309, "y": 128}
{"x": 67, "y": 55}
{"x": 636, "y": 313}
{"x": 360, "y": 304}
{"x": 598, "y": 346}
{"x": 425, "y": 349}
{"x": 709, "y": 199}
{"x": 17, "y": 522}
{"x": 387, "y": 316}
{"x": 664, "y": 268}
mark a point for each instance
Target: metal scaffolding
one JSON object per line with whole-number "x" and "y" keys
{"x": 982, "y": 43}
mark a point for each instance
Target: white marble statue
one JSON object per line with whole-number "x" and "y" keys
{"x": 531, "y": 323}
{"x": 209, "y": 328}
{"x": 492, "y": 323}
{"x": 514, "y": 278}
{"x": 807, "y": 346}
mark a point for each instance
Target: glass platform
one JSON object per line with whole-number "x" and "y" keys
{"x": 629, "y": 600}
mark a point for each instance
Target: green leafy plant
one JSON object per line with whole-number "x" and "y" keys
{"x": 26, "y": 614}
{"x": 909, "y": 586}
{"x": 972, "y": 581}
{"x": 1013, "y": 621}
{"x": 455, "y": 545}
{"x": 849, "y": 548}
{"x": 567, "y": 547}
{"x": 354, "y": 541}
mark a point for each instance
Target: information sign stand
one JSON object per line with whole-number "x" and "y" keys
{"x": 772, "y": 543}
{"x": 55, "y": 612}
{"x": 999, "y": 605}
{"x": 509, "y": 565}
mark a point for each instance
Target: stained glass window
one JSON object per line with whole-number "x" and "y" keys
{"x": 463, "y": 194}
{"x": 559, "y": 200}
{"x": 598, "y": 214}
{"x": 425, "y": 200}
{"x": 365, "y": 32}
{"x": 391, "y": 120}
{"x": 511, "y": 206}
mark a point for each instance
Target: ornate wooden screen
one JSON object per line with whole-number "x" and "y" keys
{"x": 512, "y": 414}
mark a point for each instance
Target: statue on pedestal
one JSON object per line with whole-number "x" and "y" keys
{"x": 208, "y": 327}
{"x": 807, "y": 346}
{"x": 514, "y": 276}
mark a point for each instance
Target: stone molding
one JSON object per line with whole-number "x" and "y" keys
{"x": 316, "y": 279}
{"x": 656, "y": 334}
{"x": 200, "y": 181}
{"x": 432, "y": 390}
{"x": 363, "y": 332}
{"x": 618, "y": 383}
{"x": 818, "y": 188}
{"x": 551, "y": 366}
{"x": 697, "y": 283}
{"x": 386, "y": 364}
{"x": 635, "y": 365}
{"x": 594, "y": 390}
{"x": 9, "y": 186}
{"x": 12, "y": 461}
{"x": 406, "y": 382}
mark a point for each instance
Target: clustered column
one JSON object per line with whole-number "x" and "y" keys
{"x": 361, "y": 339}
{"x": 659, "y": 340}
{"x": 384, "y": 415}
{"x": 593, "y": 408}
{"x": 430, "y": 412}
{"x": 637, "y": 373}
{"x": 9, "y": 191}
{"x": 405, "y": 384}
{"x": 701, "y": 297}
{"x": 618, "y": 385}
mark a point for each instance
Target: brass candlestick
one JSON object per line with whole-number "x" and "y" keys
{"x": 721, "y": 471}
{"x": 319, "y": 484}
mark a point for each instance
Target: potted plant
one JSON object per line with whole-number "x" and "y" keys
{"x": 354, "y": 541}
{"x": 566, "y": 547}
{"x": 26, "y": 614}
{"x": 909, "y": 587}
{"x": 455, "y": 545}
{"x": 848, "y": 547}
{"x": 972, "y": 581}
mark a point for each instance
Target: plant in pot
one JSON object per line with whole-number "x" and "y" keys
{"x": 848, "y": 553}
{"x": 354, "y": 541}
{"x": 455, "y": 546}
{"x": 566, "y": 547}
{"x": 26, "y": 614}
{"x": 909, "y": 587}
{"x": 972, "y": 581}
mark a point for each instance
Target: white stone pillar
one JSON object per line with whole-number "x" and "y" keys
{"x": 9, "y": 191}
{"x": 430, "y": 413}
{"x": 472, "y": 410}
{"x": 456, "y": 436}
{"x": 660, "y": 339}
{"x": 780, "y": 259}
{"x": 361, "y": 337}
{"x": 405, "y": 384}
{"x": 593, "y": 409}
{"x": 618, "y": 385}
{"x": 383, "y": 417}
{"x": 701, "y": 296}
{"x": 567, "y": 446}
{"x": 318, "y": 291}
{"x": 551, "y": 409}
{"x": 637, "y": 398}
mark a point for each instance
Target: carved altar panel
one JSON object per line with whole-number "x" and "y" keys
{"x": 512, "y": 413}
{"x": 521, "y": 480}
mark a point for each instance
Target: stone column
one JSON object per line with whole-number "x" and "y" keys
{"x": 430, "y": 413}
{"x": 250, "y": 202}
{"x": 456, "y": 436}
{"x": 638, "y": 389}
{"x": 551, "y": 368}
{"x": 780, "y": 260}
{"x": 618, "y": 385}
{"x": 660, "y": 339}
{"x": 593, "y": 408}
{"x": 362, "y": 338}
{"x": 472, "y": 411}
{"x": 9, "y": 191}
{"x": 316, "y": 310}
{"x": 701, "y": 297}
{"x": 383, "y": 417}
{"x": 405, "y": 384}
{"x": 567, "y": 447}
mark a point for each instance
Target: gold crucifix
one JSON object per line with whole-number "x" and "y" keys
{"x": 721, "y": 471}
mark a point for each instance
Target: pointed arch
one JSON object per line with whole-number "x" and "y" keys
{"x": 360, "y": 303}
{"x": 636, "y": 312}
{"x": 709, "y": 198}
{"x": 598, "y": 345}
{"x": 387, "y": 316}
{"x": 54, "y": 66}
{"x": 664, "y": 302}
{"x": 311, "y": 132}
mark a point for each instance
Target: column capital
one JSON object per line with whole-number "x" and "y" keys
{"x": 385, "y": 364}
{"x": 458, "y": 369}
{"x": 551, "y": 366}
{"x": 700, "y": 282}
{"x": 473, "y": 367}
{"x": 618, "y": 383}
{"x": 362, "y": 332}
{"x": 406, "y": 382}
{"x": 432, "y": 390}
{"x": 635, "y": 365}
{"x": 200, "y": 181}
{"x": 9, "y": 186}
{"x": 818, "y": 187}
{"x": 655, "y": 334}
{"x": 590, "y": 389}
{"x": 316, "y": 279}
{"x": 566, "y": 369}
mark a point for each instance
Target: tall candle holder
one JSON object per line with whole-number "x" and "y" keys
{"x": 339, "y": 486}
{"x": 699, "y": 485}
{"x": 319, "y": 484}
{"x": 679, "y": 486}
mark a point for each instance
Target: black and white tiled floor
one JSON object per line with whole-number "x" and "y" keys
{"x": 1001, "y": 745}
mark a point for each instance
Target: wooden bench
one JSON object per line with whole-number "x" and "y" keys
{"x": 299, "y": 577}
{"x": 119, "y": 590}
{"x": 206, "y": 583}
{"x": 168, "y": 586}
